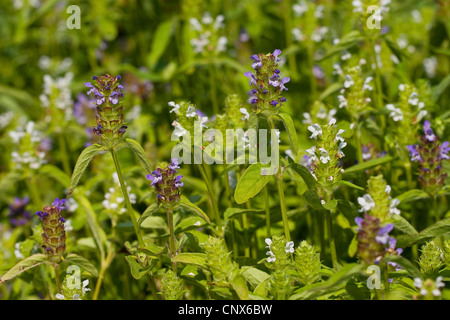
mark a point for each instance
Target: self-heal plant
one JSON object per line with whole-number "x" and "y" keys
{"x": 267, "y": 83}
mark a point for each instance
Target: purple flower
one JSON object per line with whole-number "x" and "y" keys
{"x": 174, "y": 166}
{"x": 253, "y": 101}
{"x": 429, "y": 134}
{"x": 359, "y": 221}
{"x": 100, "y": 98}
{"x": 414, "y": 153}
{"x": 257, "y": 63}
{"x": 276, "y": 53}
{"x": 444, "y": 150}
{"x": 114, "y": 97}
{"x": 91, "y": 87}
{"x": 59, "y": 204}
{"x": 282, "y": 87}
{"x": 383, "y": 236}
{"x": 274, "y": 102}
{"x": 251, "y": 76}
{"x": 283, "y": 99}
{"x": 41, "y": 215}
{"x": 177, "y": 182}
{"x": 98, "y": 130}
{"x": 123, "y": 129}
{"x": 155, "y": 177}
{"x": 18, "y": 215}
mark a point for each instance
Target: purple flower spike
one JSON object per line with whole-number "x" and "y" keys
{"x": 443, "y": 152}
{"x": 429, "y": 134}
{"x": 359, "y": 221}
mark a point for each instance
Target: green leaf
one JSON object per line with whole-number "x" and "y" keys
{"x": 330, "y": 90}
{"x": 233, "y": 212}
{"x": 348, "y": 209}
{"x": 97, "y": 232}
{"x": 154, "y": 222}
{"x": 55, "y": 173}
{"x": 239, "y": 285}
{"x": 148, "y": 212}
{"x": 440, "y": 228}
{"x": 24, "y": 265}
{"x": 330, "y": 205}
{"x": 336, "y": 282}
{"x": 347, "y": 41}
{"x": 196, "y": 259}
{"x": 406, "y": 264}
{"x": 82, "y": 262}
{"x": 367, "y": 164}
{"x": 254, "y": 276}
{"x": 82, "y": 163}
{"x": 290, "y": 128}
{"x": 161, "y": 39}
{"x": 393, "y": 46}
{"x": 304, "y": 173}
{"x": 190, "y": 207}
{"x": 140, "y": 153}
{"x": 404, "y": 226}
{"x": 349, "y": 184}
{"x": 251, "y": 183}
{"x": 353, "y": 246}
{"x": 137, "y": 271}
{"x": 411, "y": 195}
{"x": 313, "y": 199}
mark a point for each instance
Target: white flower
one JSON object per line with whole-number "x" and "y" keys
{"x": 366, "y": 202}
{"x": 221, "y": 44}
{"x": 348, "y": 81}
{"x": 195, "y": 24}
{"x": 59, "y": 296}
{"x": 84, "y": 289}
{"x": 418, "y": 283}
{"x": 17, "y": 251}
{"x": 289, "y": 248}
{"x": 179, "y": 130}
{"x": 190, "y": 112}
{"x": 191, "y": 274}
{"x": 324, "y": 155}
{"x": 245, "y": 113}
{"x": 175, "y": 107}
{"x": 430, "y": 65}
{"x": 198, "y": 223}
{"x": 339, "y": 135}
{"x": 387, "y": 189}
{"x": 401, "y": 87}
{"x": 342, "y": 101}
{"x": 392, "y": 207}
{"x": 316, "y": 130}
{"x": 207, "y": 19}
{"x": 268, "y": 241}
{"x": 366, "y": 85}
{"x": 271, "y": 257}
{"x": 307, "y": 118}
{"x": 414, "y": 99}
{"x": 298, "y": 35}
{"x": 218, "y": 24}
{"x": 396, "y": 114}
{"x": 300, "y": 8}
{"x": 347, "y": 55}
{"x": 319, "y": 34}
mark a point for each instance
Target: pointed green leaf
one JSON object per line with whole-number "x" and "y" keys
{"x": 411, "y": 195}
{"x": 82, "y": 262}
{"x": 137, "y": 271}
{"x": 190, "y": 207}
{"x": 304, "y": 173}
{"x": 24, "y": 265}
{"x": 330, "y": 205}
{"x": 313, "y": 199}
{"x": 239, "y": 285}
{"x": 404, "y": 226}
{"x": 161, "y": 39}
{"x": 290, "y": 128}
{"x": 148, "y": 212}
{"x": 140, "y": 153}
{"x": 196, "y": 259}
{"x": 82, "y": 163}
{"x": 367, "y": 165}
{"x": 251, "y": 183}
{"x": 349, "y": 184}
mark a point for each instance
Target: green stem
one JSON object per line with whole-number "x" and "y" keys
{"x": 379, "y": 89}
{"x": 211, "y": 195}
{"x": 288, "y": 35}
{"x": 358, "y": 141}
{"x": 127, "y": 199}
{"x": 386, "y": 281}
{"x": 34, "y": 190}
{"x": 266, "y": 200}
{"x": 172, "y": 247}
{"x": 58, "y": 283}
{"x": 279, "y": 178}
{"x": 329, "y": 223}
